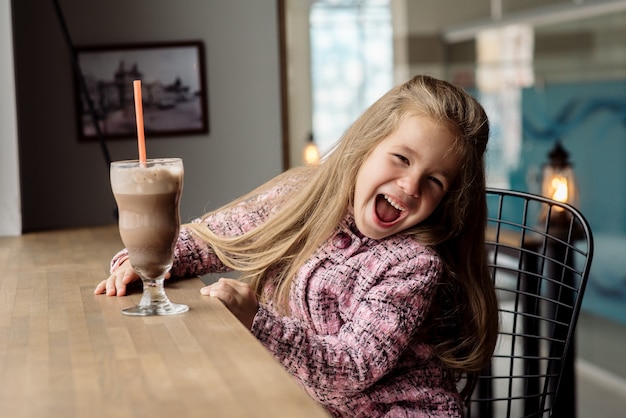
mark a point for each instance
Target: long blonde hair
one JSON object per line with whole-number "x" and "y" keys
{"x": 465, "y": 302}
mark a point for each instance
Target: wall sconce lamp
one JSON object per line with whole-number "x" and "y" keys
{"x": 559, "y": 182}
{"x": 311, "y": 153}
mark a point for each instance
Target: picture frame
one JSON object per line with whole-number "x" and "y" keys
{"x": 174, "y": 89}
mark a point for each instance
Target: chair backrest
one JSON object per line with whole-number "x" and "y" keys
{"x": 540, "y": 254}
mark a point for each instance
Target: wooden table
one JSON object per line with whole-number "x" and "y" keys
{"x": 65, "y": 352}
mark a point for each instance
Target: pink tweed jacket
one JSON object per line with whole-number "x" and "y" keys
{"x": 352, "y": 339}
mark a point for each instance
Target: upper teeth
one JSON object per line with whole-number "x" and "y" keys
{"x": 392, "y": 203}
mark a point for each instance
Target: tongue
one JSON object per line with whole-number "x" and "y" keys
{"x": 385, "y": 211}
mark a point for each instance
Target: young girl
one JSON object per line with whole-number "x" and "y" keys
{"x": 365, "y": 276}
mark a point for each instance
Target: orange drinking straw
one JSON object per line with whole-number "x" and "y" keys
{"x": 141, "y": 140}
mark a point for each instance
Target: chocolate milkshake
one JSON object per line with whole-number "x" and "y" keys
{"x": 148, "y": 198}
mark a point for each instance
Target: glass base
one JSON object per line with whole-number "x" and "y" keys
{"x": 153, "y": 310}
{"x": 154, "y": 301}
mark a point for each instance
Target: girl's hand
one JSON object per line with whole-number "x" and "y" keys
{"x": 118, "y": 281}
{"x": 237, "y": 296}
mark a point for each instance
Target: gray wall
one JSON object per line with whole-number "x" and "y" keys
{"x": 10, "y": 217}
{"x": 64, "y": 182}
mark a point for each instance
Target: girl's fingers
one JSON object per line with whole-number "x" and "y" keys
{"x": 117, "y": 286}
{"x": 100, "y": 287}
{"x": 237, "y": 296}
{"x": 117, "y": 282}
{"x": 222, "y": 284}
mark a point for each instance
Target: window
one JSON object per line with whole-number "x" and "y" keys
{"x": 351, "y": 62}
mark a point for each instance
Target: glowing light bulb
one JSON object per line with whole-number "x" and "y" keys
{"x": 560, "y": 189}
{"x": 311, "y": 153}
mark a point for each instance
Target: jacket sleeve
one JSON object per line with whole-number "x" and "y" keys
{"x": 192, "y": 256}
{"x": 369, "y": 344}
{"x": 195, "y": 257}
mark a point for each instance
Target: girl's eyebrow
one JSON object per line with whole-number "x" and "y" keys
{"x": 408, "y": 150}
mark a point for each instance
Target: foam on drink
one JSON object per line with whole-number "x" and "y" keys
{"x": 153, "y": 178}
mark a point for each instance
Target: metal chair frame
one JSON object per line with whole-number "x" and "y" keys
{"x": 540, "y": 254}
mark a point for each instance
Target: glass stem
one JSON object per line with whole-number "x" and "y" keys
{"x": 153, "y": 292}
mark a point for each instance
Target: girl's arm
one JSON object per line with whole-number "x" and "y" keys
{"x": 190, "y": 257}
{"x": 193, "y": 256}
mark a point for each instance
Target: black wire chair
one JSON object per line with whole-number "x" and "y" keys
{"x": 540, "y": 253}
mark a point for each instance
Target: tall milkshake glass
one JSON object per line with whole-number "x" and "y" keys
{"x": 147, "y": 195}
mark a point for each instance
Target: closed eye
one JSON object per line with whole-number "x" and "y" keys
{"x": 402, "y": 158}
{"x": 437, "y": 182}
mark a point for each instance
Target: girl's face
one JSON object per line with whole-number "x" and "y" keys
{"x": 404, "y": 178}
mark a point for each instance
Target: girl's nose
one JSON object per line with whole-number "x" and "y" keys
{"x": 410, "y": 185}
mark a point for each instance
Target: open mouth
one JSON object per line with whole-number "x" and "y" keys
{"x": 387, "y": 210}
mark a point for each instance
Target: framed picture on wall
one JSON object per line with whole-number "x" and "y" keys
{"x": 173, "y": 85}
